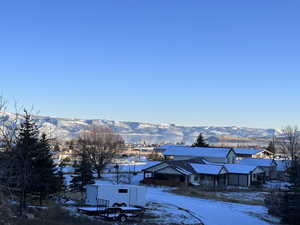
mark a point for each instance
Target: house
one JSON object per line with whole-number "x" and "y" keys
{"x": 252, "y": 153}
{"x": 267, "y": 165}
{"x": 216, "y": 155}
{"x": 208, "y": 175}
{"x": 247, "y": 153}
{"x": 171, "y": 172}
{"x": 197, "y": 172}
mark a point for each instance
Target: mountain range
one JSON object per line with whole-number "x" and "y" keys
{"x": 139, "y": 132}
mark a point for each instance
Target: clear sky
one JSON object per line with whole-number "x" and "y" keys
{"x": 193, "y": 62}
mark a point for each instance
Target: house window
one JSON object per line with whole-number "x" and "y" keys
{"x": 123, "y": 191}
{"x": 196, "y": 178}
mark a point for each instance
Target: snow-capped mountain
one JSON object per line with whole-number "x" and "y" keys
{"x": 136, "y": 132}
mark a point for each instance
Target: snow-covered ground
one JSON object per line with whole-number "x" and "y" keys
{"x": 211, "y": 212}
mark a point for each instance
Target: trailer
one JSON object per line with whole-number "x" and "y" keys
{"x": 121, "y": 213}
{"x": 115, "y": 195}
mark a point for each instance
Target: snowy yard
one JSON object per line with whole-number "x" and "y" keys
{"x": 212, "y": 212}
{"x": 167, "y": 208}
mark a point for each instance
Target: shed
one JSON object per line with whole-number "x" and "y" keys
{"x": 244, "y": 175}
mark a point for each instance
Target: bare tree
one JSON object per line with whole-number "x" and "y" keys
{"x": 8, "y": 133}
{"x": 100, "y": 144}
{"x": 289, "y": 142}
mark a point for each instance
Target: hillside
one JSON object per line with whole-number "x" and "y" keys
{"x": 137, "y": 132}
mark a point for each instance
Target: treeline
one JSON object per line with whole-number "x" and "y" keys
{"x": 27, "y": 169}
{"x": 285, "y": 203}
{"x": 26, "y": 163}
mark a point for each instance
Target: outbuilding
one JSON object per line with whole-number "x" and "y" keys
{"x": 267, "y": 165}
{"x": 244, "y": 175}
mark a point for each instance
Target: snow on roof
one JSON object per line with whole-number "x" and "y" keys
{"x": 256, "y": 162}
{"x": 237, "y": 168}
{"x": 282, "y": 165}
{"x": 207, "y": 169}
{"x": 247, "y": 151}
{"x": 178, "y": 150}
{"x": 137, "y": 167}
{"x": 183, "y": 171}
{"x": 68, "y": 169}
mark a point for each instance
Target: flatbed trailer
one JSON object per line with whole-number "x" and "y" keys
{"x": 113, "y": 213}
{"x": 121, "y": 213}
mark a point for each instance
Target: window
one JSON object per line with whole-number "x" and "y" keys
{"x": 123, "y": 190}
{"x": 195, "y": 178}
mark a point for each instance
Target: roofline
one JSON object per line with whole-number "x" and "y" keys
{"x": 231, "y": 149}
{"x": 154, "y": 165}
{"x": 175, "y": 168}
{"x": 222, "y": 167}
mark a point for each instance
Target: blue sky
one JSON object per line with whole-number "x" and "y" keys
{"x": 192, "y": 62}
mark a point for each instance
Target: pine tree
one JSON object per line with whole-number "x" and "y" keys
{"x": 285, "y": 204}
{"x": 61, "y": 185}
{"x": 22, "y": 159}
{"x": 290, "y": 204}
{"x": 45, "y": 174}
{"x": 84, "y": 175}
{"x": 271, "y": 147}
{"x": 200, "y": 142}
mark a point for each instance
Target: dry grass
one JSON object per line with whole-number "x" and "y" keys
{"x": 212, "y": 195}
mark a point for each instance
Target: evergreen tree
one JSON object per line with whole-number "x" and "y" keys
{"x": 285, "y": 204}
{"x": 84, "y": 175}
{"x": 22, "y": 159}
{"x": 45, "y": 175}
{"x": 290, "y": 203}
{"x": 271, "y": 146}
{"x": 200, "y": 142}
{"x": 61, "y": 186}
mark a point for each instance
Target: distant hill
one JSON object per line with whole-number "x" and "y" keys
{"x": 136, "y": 132}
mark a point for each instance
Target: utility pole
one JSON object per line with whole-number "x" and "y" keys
{"x": 117, "y": 170}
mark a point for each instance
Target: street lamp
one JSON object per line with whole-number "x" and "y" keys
{"x": 117, "y": 170}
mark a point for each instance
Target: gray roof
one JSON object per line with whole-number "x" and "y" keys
{"x": 240, "y": 169}
{"x": 246, "y": 151}
{"x": 207, "y": 169}
{"x": 183, "y": 166}
{"x": 257, "y": 162}
{"x": 179, "y": 150}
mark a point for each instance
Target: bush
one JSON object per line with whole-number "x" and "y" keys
{"x": 273, "y": 202}
{"x": 286, "y": 205}
{"x": 55, "y": 216}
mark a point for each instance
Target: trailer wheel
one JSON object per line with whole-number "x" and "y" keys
{"x": 122, "y": 218}
{"x": 123, "y": 204}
